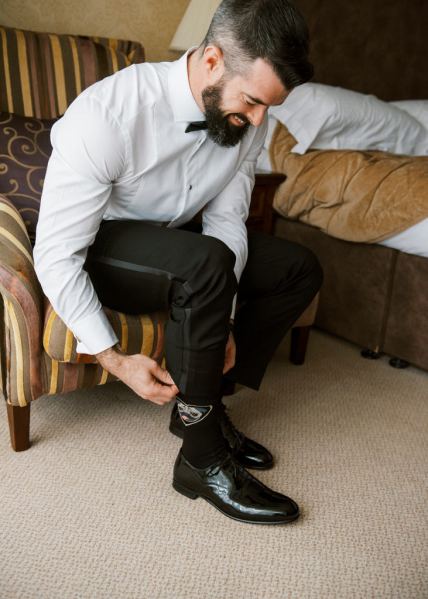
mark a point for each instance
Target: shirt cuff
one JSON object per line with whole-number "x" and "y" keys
{"x": 94, "y": 333}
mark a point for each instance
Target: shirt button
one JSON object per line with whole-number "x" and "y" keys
{"x": 190, "y": 187}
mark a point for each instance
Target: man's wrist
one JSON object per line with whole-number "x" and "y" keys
{"x": 112, "y": 358}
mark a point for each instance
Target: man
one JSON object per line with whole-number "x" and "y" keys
{"x": 135, "y": 158}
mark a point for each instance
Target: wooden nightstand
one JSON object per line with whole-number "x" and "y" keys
{"x": 260, "y": 217}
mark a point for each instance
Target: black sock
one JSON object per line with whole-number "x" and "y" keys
{"x": 227, "y": 387}
{"x": 203, "y": 441}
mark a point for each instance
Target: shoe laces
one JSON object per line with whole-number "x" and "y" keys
{"x": 238, "y": 437}
{"x": 215, "y": 468}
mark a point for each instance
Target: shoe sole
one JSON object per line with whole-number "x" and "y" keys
{"x": 179, "y": 433}
{"x": 192, "y": 495}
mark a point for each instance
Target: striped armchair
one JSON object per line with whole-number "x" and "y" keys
{"x": 37, "y": 352}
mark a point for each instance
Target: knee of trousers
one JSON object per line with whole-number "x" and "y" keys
{"x": 210, "y": 274}
{"x": 306, "y": 271}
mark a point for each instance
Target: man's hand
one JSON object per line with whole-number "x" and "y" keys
{"x": 142, "y": 374}
{"x": 230, "y": 353}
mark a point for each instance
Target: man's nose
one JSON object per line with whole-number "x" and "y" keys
{"x": 257, "y": 115}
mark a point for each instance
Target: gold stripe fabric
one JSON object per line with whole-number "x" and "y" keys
{"x": 53, "y": 378}
{"x": 59, "y": 73}
{"x": 24, "y": 72}
{"x": 6, "y": 69}
{"x": 104, "y": 377}
{"x": 76, "y": 69}
{"x": 22, "y": 309}
{"x": 47, "y": 332}
{"x": 23, "y": 374}
{"x": 124, "y": 332}
{"x": 6, "y": 235}
{"x": 135, "y": 334}
{"x": 147, "y": 340}
{"x": 56, "y": 68}
{"x": 12, "y": 212}
{"x": 68, "y": 348}
{"x": 17, "y": 341}
{"x": 15, "y": 246}
{"x": 60, "y": 374}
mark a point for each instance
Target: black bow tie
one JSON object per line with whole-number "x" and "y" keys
{"x": 196, "y": 126}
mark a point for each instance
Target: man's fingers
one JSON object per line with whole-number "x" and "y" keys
{"x": 227, "y": 366}
{"x": 229, "y": 361}
{"x": 154, "y": 396}
{"x": 158, "y": 402}
{"x": 162, "y": 375}
{"x": 163, "y": 391}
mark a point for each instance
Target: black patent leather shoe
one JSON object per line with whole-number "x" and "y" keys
{"x": 248, "y": 453}
{"x": 233, "y": 491}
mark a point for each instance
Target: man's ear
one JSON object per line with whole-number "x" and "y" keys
{"x": 213, "y": 61}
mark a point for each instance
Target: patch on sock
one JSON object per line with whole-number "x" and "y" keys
{"x": 190, "y": 414}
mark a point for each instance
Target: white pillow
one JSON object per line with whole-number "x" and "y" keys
{"x": 418, "y": 109}
{"x": 325, "y": 117}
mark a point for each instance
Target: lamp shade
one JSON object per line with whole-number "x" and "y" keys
{"x": 194, "y": 25}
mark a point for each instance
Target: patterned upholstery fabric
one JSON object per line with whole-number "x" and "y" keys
{"x": 62, "y": 377}
{"x": 23, "y": 309}
{"x": 136, "y": 334}
{"x": 25, "y": 148}
{"x": 30, "y": 372}
{"x": 42, "y": 73}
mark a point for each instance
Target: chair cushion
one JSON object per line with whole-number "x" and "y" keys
{"x": 45, "y": 72}
{"x": 136, "y": 334}
{"x": 25, "y": 148}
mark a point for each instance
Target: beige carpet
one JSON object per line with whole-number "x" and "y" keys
{"x": 89, "y": 512}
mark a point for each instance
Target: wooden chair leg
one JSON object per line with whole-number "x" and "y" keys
{"x": 299, "y": 343}
{"x": 19, "y": 426}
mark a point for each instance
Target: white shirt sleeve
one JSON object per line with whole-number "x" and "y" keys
{"x": 88, "y": 154}
{"x": 224, "y": 217}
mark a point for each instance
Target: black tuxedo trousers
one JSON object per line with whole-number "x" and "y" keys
{"x": 138, "y": 268}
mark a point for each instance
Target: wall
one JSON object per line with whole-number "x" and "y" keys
{"x": 152, "y": 22}
{"x": 372, "y": 46}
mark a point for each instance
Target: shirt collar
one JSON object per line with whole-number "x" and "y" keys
{"x": 181, "y": 98}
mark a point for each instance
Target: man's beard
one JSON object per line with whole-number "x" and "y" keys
{"x": 219, "y": 129}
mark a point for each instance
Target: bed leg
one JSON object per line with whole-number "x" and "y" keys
{"x": 370, "y": 354}
{"x": 398, "y": 363}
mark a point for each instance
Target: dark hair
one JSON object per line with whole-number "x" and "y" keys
{"x": 273, "y": 30}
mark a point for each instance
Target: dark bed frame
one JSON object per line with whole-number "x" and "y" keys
{"x": 373, "y": 296}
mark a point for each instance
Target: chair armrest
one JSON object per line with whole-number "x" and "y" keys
{"x": 16, "y": 251}
{"x": 23, "y": 309}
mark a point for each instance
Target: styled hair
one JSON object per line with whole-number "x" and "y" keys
{"x": 273, "y": 30}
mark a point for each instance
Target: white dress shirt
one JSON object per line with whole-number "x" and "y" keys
{"x": 121, "y": 152}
